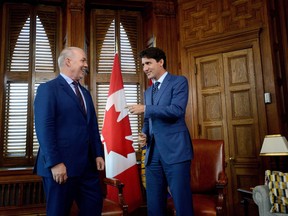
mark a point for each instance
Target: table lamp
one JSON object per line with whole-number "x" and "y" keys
{"x": 274, "y": 145}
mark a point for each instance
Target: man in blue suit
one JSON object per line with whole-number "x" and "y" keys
{"x": 70, "y": 150}
{"x": 169, "y": 148}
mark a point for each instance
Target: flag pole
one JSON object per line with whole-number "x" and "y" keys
{"x": 116, "y": 46}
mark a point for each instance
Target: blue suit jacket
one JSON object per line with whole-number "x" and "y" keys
{"x": 167, "y": 118}
{"x": 65, "y": 133}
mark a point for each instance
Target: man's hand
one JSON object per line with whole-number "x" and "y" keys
{"x": 100, "y": 163}
{"x": 136, "y": 109}
{"x": 59, "y": 173}
{"x": 142, "y": 139}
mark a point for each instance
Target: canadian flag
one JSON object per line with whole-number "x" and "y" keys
{"x": 120, "y": 157}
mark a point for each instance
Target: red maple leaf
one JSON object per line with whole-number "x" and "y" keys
{"x": 114, "y": 133}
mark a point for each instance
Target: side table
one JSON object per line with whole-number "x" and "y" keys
{"x": 250, "y": 208}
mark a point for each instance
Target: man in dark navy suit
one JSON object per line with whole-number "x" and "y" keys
{"x": 169, "y": 148}
{"x": 70, "y": 149}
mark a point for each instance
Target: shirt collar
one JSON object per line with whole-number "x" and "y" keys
{"x": 161, "y": 78}
{"x": 68, "y": 79}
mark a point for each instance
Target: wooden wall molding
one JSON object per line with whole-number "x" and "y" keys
{"x": 226, "y": 42}
{"x": 164, "y": 8}
{"x": 76, "y": 6}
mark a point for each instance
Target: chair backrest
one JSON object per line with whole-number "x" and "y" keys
{"x": 207, "y": 165}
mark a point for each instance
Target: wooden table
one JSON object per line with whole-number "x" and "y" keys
{"x": 250, "y": 208}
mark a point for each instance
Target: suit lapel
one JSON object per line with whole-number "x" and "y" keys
{"x": 65, "y": 86}
{"x": 148, "y": 99}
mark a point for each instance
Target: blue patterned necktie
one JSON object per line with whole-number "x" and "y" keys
{"x": 154, "y": 90}
{"x": 76, "y": 84}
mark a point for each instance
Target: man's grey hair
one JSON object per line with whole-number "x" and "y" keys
{"x": 66, "y": 53}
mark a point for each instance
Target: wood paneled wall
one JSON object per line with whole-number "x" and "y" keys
{"x": 75, "y": 20}
{"x": 161, "y": 26}
{"x": 213, "y": 27}
{"x": 201, "y": 21}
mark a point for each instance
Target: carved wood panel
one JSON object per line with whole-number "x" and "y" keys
{"x": 202, "y": 19}
{"x": 211, "y": 98}
{"x": 241, "y": 103}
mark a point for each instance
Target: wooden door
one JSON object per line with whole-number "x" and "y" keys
{"x": 227, "y": 109}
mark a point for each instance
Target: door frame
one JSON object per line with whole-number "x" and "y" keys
{"x": 215, "y": 45}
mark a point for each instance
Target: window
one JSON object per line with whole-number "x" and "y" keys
{"x": 116, "y": 30}
{"x": 30, "y": 59}
{"x": 31, "y": 43}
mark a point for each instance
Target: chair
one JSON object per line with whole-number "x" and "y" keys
{"x": 261, "y": 198}
{"x": 208, "y": 178}
{"x": 109, "y": 206}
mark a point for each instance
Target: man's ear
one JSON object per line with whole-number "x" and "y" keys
{"x": 67, "y": 62}
{"x": 161, "y": 62}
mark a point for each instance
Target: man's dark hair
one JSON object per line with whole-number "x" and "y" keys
{"x": 154, "y": 53}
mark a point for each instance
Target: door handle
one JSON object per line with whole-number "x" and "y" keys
{"x": 232, "y": 159}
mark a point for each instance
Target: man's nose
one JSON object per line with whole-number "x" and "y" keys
{"x": 145, "y": 68}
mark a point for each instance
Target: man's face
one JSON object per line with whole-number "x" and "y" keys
{"x": 78, "y": 64}
{"x": 152, "y": 68}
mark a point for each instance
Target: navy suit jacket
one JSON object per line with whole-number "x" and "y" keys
{"x": 167, "y": 120}
{"x": 65, "y": 133}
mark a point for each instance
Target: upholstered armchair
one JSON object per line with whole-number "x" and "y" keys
{"x": 261, "y": 198}
{"x": 208, "y": 178}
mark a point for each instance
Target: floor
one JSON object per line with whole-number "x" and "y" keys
{"x": 142, "y": 211}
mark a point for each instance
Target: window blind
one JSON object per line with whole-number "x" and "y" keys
{"x": 116, "y": 30}
{"x": 30, "y": 59}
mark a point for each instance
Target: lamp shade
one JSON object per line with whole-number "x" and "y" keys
{"x": 274, "y": 145}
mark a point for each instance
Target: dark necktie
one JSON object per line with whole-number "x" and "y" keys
{"x": 154, "y": 90}
{"x": 76, "y": 84}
